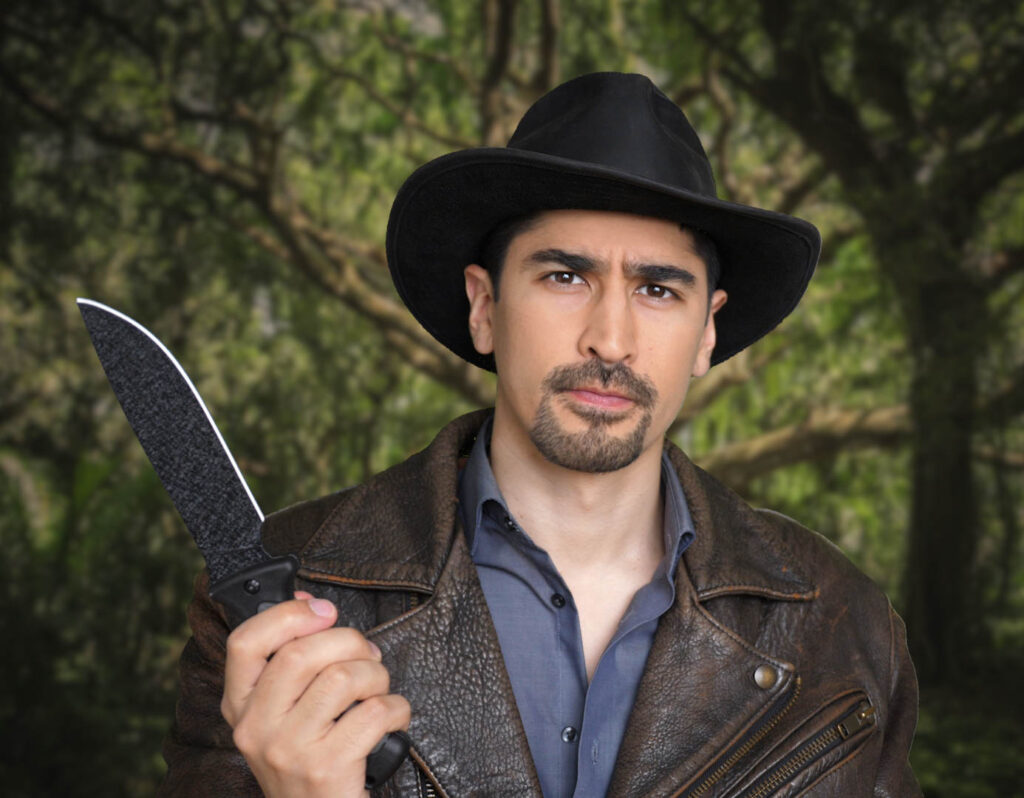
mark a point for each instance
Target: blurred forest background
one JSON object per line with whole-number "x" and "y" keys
{"x": 222, "y": 171}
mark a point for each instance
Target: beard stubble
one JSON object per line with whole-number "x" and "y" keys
{"x": 594, "y": 449}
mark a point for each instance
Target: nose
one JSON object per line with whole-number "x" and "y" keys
{"x": 609, "y": 333}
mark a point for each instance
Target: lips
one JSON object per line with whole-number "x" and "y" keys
{"x": 598, "y": 386}
{"x": 593, "y": 396}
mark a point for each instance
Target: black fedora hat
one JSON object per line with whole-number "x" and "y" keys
{"x": 604, "y": 141}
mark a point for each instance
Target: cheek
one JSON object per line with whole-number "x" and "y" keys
{"x": 670, "y": 363}
{"x": 528, "y": 334}
{"x": 519, "y": 354}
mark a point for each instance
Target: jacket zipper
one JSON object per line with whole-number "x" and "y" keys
{"x": 861, "y": 717}
{"x": 713, "y": 778}
{"x": 426, "y": 789}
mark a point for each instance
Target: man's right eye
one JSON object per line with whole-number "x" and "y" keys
{"x": 564, "y": 278}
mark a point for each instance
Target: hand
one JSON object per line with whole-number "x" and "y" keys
{"x": 308, "y": 702}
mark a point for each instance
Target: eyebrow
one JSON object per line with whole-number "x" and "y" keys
{"x": 570, "y": 260}
{"x": 655, "y": 272}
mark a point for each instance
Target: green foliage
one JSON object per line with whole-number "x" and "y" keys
{"x": 167, "y": 158}
{"x": 968, "y": 741}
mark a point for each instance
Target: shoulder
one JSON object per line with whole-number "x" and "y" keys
{"x": 740, "y": 549}
{"x": 814, "y": 552}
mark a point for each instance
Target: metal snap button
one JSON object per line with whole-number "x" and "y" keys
{"x": 765, "y": 676}
{"x": 568, "y": 734}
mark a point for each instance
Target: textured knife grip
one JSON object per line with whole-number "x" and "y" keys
{"x": 261, "y": 586}
{"x": 254, "y": 589}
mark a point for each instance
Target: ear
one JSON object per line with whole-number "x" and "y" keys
{"x": 710, "y": 337}
{"x": 480, "y": 293}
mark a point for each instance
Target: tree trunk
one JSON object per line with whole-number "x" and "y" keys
{"x": 945, "y": 315}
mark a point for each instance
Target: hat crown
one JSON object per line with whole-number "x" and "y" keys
{"x": 621, "y": 122}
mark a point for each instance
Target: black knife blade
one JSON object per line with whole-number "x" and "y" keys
{"x": 205, "y": 484}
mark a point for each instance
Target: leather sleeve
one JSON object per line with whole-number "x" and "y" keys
{"x": 200, "y": 752}
{"x": 895, "y": 778}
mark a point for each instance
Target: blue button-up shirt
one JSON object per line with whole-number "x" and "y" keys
{"x": 574, "y": 729}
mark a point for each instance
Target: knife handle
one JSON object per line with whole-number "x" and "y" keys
{"x": 258, "y": 587}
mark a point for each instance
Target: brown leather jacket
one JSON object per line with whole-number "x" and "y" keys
{"x": 781, "y": 670}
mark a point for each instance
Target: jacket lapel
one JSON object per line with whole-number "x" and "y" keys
{"x": 698, "y": 701}
{"x": 698, "y": 698}
{"x": 445, "y": 658}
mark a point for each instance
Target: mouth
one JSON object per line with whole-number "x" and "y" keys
{"x": 596, "y": 398}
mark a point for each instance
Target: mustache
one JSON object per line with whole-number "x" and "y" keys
{"x": 619, "y": 377}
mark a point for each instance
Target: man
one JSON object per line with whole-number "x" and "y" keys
{"x": 551, "y": 598}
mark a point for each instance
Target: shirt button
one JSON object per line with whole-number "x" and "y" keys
{"x": 559, "y": 601}
{"x": 510, "y": 523}
{"x": 569, "y": 734}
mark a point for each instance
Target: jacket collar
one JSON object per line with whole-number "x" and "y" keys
{"x": 375, "y": 534}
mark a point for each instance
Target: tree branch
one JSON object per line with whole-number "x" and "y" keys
{"x": 798, "y": 92}
{"x": 322, "y": 256}
{"x": 797, "y": 191}
{"x": 457, "y": 68}
{"x": 548, "y": 69}
{"x": 717, "y": 41}
{"x": 404, "y": 115}
{"x": 327, "y": 260}
{"x": 823, "y": 434}
{"x": 826, "y": 432}
{"x": 1001, "y": 266}
{"x": 1005, "y": 403}
{"x": 720, "y": 143}
{"x": 499, "y": 27}
{"x": 999, "y": 457}
{"x": 704, "y": 392}
{"x": 242, "y": 180}
{"x": 974, "y": 173}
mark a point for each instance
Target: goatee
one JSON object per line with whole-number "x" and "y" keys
{"x": 595, "y": 449}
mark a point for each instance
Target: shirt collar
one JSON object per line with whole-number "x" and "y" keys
{"x": 477, "y": 486}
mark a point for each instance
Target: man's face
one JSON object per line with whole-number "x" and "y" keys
{"x": 603, "y": 318}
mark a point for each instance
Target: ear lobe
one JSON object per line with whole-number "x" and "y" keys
{"x": 707, "y": 344}
{"x": 481, "y": 303}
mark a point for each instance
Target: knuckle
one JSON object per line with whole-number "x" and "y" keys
{"x": 291, "y": 655}
{"x": 351, "y": 638}
{"x": 318, "y": 775}
{"x": 279, "y": 757}
{"x": 238, "y": 644}
{"x": 375, "y": 709}
{"x": 243, "y": 738}
{"x": 338, "y": 677}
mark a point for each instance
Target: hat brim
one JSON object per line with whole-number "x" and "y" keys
{"x": 444, "y": 211}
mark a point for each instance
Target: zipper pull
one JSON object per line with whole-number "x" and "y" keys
{"x": 863, "y": 715}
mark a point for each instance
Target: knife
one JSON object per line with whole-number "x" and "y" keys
{"x": 199, "y": 472}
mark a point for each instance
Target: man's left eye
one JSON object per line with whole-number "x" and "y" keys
{"x": 657, "y": 291}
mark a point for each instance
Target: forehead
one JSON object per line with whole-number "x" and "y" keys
{"x": 607, "y": 235}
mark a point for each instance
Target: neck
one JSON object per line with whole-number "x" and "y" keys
{"x": 585, "y": 521}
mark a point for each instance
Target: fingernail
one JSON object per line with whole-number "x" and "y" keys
{"x": 321, "y": 607}
{"x": 375, "y": 649}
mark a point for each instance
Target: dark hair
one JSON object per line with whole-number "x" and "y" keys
{"x": 499, "y": 239}
{"x": 495, "y": 246}
{"x": 707, "y": 252}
